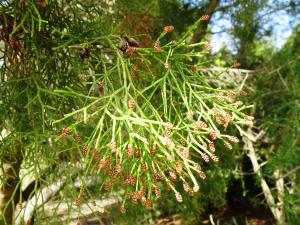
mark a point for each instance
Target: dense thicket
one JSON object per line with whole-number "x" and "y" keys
{"x": 108, "y": 101}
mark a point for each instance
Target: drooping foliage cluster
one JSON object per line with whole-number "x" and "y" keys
{"x": 112, "y": 99}
{"x": 78, "y": 93}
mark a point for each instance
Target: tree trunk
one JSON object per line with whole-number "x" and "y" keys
{"x": 210, "y": 8}
{"x": 276, "y": 209}
{"x": 280, "y": 192}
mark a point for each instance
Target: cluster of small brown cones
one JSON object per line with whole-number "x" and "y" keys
{"x": 142, "y": 169}
{"x": 168, "y": 29}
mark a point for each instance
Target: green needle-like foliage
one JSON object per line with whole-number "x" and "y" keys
{"x": 78, "y": 100}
